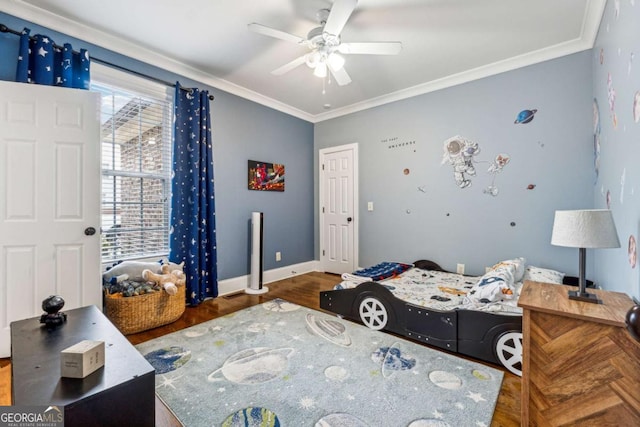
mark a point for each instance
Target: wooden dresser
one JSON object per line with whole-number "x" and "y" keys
{"x": 580, "y": 365}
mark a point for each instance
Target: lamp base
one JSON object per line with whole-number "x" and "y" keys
{"x": 584, "y": 296}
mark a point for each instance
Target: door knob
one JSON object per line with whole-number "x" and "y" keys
{"x": 349, "y": 219}
{"x": 89, "y": 231}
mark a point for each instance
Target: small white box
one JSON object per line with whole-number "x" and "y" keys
{"x": 81, "y": 359}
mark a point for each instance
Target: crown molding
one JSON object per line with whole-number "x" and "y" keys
{"x": 119, "y": 45}
{"x": 589, "y": 31}
{"x": 590, "y": 25}
{"x": 489, "y": 70}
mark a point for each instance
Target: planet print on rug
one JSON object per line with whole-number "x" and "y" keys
{"x": 336, "y": 373}
{"x": 252, "y": 417}
{"x": 445, "y": 379}
{"x": 168, "y": 359}
{"x": 391, "y": 359}
{"x": 331, "y": 330}
{"x": 280, "y": 306}
{"x": 481, "y": 375}
{"x": 288, "y": 372}
{"x": 340, "y": 420}
{"x": 253, "y": 365}
{"x": 428, "y": 423}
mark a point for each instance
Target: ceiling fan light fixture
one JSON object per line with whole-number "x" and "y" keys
{"x": 320, "y": 70}
{"x": 313, "y": 59}
{"x": 335, "y": 61}
{"x": 325, "y": 44}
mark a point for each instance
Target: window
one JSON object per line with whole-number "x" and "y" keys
{"x": 136, "y": 128}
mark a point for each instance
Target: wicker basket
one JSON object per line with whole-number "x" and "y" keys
{"x": 142, "y": 312}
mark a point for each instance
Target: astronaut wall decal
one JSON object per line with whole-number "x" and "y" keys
{"x": 460, "y": 153}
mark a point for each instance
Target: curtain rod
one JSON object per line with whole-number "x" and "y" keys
{"x": 5, "y": 29}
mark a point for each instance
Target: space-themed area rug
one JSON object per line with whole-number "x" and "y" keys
{"x": 280, "y": 364}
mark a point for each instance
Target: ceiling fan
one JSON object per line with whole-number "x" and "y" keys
{"x": 325, "y": 43}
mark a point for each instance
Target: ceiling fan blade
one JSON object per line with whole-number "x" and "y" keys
{"x": 289, "y": 66}
{"x": 338, "y": 16}
{"x": 272, "y": 32}
{"x": 372, "y": 48}
{"x": 341, "y": 76}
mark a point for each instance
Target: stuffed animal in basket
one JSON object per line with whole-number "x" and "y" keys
{"x": 133, "y": 270}
{"x": 168, "y": 279}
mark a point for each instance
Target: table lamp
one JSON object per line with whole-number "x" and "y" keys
{"x": 584, "y": 229}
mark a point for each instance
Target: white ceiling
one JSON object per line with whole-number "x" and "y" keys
{"x": 445, "y": 42}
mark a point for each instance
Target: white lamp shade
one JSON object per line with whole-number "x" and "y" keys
{"x": 593, "y": 228}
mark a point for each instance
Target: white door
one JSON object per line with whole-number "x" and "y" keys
{"x": 49, "y": 196}
{"x": 339, "y": 209}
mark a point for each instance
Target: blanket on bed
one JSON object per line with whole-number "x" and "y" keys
{"x": 382, "y": 271}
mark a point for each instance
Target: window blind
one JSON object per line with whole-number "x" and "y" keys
{"x": 136, "y": 173}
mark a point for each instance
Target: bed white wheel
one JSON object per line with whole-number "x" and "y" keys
{"x": 509, "y": 352}
{"x": 373, "y": 313}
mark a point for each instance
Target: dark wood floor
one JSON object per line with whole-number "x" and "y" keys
{"x": 302, "y": 290}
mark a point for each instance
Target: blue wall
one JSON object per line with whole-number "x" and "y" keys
{"x": 448, "y": 224}
{"x": 616, "y": 131}
{"x": 242, "y": 130}
{"x": 554, "y": 152}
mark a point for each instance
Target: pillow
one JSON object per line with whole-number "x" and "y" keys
{"x": 518, "y": 267}
{"x": 424, "y": 264}
{"x": 495, "y": 285}
{"x": 538, "y": 274}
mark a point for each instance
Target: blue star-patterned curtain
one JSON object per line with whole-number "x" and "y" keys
{"x": 42, "y": 62}
{"x": 193, "y": 225}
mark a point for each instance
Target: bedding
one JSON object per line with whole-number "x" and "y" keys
{"x": 441, "y": 290}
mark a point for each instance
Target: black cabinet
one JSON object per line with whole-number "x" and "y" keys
{"x": 120, "y": 393}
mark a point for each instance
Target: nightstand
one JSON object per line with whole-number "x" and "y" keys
{"x": 580, "y": 365}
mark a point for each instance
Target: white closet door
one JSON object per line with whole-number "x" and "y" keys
{"x": 49, "y": 200}
{"x": 338, "y": 209}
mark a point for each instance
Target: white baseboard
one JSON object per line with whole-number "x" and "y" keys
{"x": 239, "y": 284}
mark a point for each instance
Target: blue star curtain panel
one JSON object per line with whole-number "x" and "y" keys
{"x": 193, "y": 225}
{"x": 42, "y": 62}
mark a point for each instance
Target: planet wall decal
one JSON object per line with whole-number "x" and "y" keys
{"x": 525, "y": 116}
{"x": 253, "y": 365}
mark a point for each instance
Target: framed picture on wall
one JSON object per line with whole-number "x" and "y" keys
{"x": 265, "y": 176}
